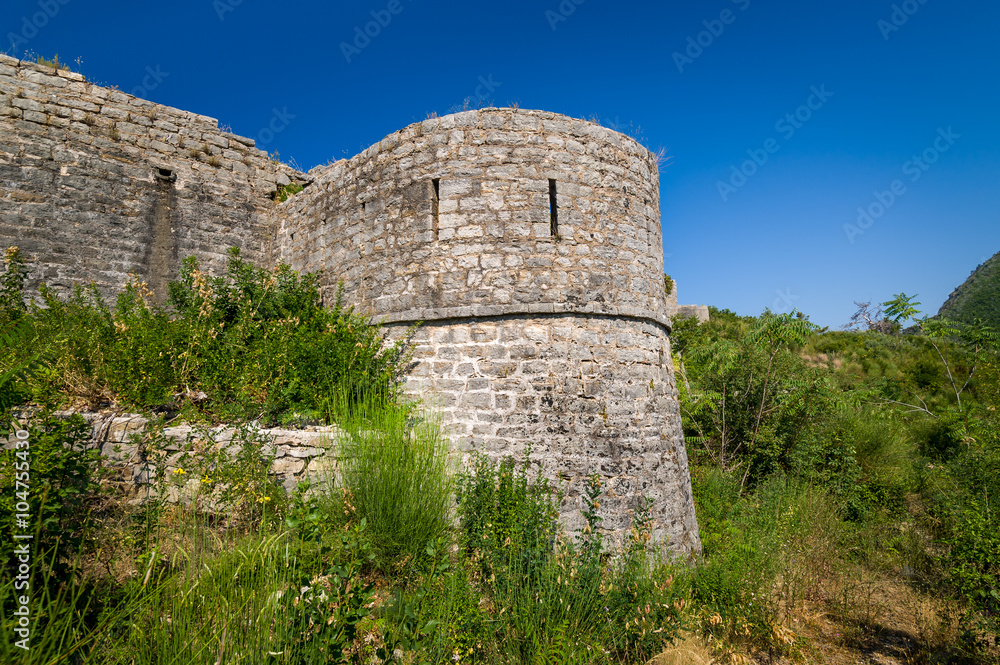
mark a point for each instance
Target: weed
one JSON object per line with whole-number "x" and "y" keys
{"x": 285, "y": 191}
{"x": 53, "y": 63}
{"x": 395, "y": 465}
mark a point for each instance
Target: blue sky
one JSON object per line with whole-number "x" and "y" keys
{"x": 888, "y": 107}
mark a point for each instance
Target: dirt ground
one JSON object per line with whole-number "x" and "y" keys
{"x": 874, "y": 621}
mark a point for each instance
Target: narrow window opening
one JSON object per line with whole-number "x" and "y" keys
{"x": 364, "y": 208}
{"x": 436, "y": 203}
{"x": 553, "y": 210}
{"x": 293, "y": 237}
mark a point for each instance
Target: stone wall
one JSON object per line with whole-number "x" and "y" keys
{"x": 529, "y": 245}
{"x": 452, "y": 217}
{"x": 96, "y": 184}
{"x": 699, "y": 312}
{"x": 587, "y": 393}
{"x": 306, "y": 454}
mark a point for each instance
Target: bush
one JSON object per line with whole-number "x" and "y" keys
{"x": 253, "y": 344}
{"x": 764, "y": 552}
{"x": 59, "y": 474}
{"x": 563, "y": 600}
{"x": 395, "y": 467}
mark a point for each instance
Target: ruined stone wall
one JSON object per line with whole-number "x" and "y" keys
{"x": 96, "y": 184}
{"x": 699, "y": 312}
{"x": 529, "y": 245}
{"x": 296, "y": 454}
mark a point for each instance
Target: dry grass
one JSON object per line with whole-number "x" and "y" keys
{"x": 867, "y": 617}
{"x": 691, "y": 649}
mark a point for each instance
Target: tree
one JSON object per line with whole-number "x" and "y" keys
{"x": 901, "y": 308}
{"x": 870, "y": 319}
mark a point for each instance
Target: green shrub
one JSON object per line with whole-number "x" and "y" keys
{"x": 563, "y": 600}
{"x": 59, "y": 472}
{"x": 253, "y": 344}
{"x": 747, "y": 396}
{"x": 395, "y": 467}
{"x": 779, "y": 543}
{"x": 863, "y": 456}
{"x": 505, "y": 516}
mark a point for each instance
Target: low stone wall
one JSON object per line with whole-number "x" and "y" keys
{"x": 699, "y": 312}
{"x": 306, "y": 454}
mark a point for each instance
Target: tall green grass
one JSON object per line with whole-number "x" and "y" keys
{"x": 396, "y": 469}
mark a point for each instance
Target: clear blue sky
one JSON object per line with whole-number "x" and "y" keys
{"x": 925, "y": 87}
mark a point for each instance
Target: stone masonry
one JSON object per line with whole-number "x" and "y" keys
{"x": 96, "y": 184}
{"x": 527, "y": 244}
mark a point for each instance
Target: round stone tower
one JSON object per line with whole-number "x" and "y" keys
{"x": 529, "y": 246}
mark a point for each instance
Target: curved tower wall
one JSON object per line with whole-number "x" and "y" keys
{"x": 529, "y": 245}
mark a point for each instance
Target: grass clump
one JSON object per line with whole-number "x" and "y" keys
{"x": 395, "y": 466}
{"x": 283, "y": 192}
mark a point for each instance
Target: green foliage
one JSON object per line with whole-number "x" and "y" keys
{"x": 232, "y": 479}
{"x": 964, "y": 493}
{"x": 747, "y": 396}
{"x": 395, "y": 468}
{"x": 15, "y": 335}
{"x": 283, "y": 192}
{"x": 978, "y": 297}
{"x": 12, "y": 280}
{"x": 776, "y": 544}
{"x": 564, "y": 600}
{"x": 322, "y": 612}
{"x": 668, "y": 282}
{"x": 870, "y": 446}
{"x": 59, "y": 475}
{"x": 253, "y": 344}
{"x": 901, "y": 308}
{"x": 504, "y": 516}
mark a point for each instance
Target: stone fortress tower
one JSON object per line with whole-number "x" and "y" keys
{"x": 527, "y": 243}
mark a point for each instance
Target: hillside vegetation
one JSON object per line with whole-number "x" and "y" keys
{"x": 846, "y": 485}
{"x": 978, "y": 297}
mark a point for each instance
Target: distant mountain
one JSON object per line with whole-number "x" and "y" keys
{"x": 978, "y": 297}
